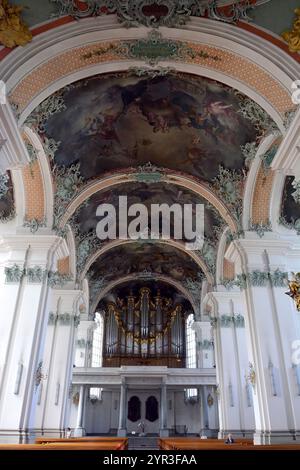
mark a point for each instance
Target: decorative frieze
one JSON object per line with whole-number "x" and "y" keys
{"x": 155, "y": 13}
{"x": 226, "y": 321}
{"x": 152, "y": 49}
{"x": 149, "y": 173}
{"x": 64, "y": 319}
{"x": 34, "y": 224}
{"x": 151, "y": 72}
{"x": 206, "y": 345}
{"x": 56, "y": 279}
{"x": 277, "y": 278}
{"x": 260, "y": 228}
{"x": 82, "y": 343}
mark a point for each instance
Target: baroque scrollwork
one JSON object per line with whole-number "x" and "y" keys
{"x": 149, "y": 173}
{"x": 260, "y": 228}
{"x": 155, "y": 13}
{"x": 152, "y": 49}
{"x": 34, "y": 224}
{"x": 228, "y": 185}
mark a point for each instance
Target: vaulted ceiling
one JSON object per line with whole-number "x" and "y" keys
{"x": 150, "y": 124}
{"x": 172, "y": 123}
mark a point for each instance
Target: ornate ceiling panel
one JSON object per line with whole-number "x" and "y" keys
{"x": 7, "y": 209}
{"x": 182, "y": 122}
{"x": 290, "y": 208}
{"x": 156, "y": 13}
{"x": 144, "y": 258}
{"x": 85, "y": 218}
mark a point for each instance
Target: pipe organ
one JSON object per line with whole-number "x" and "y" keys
{"x": 144, "y": 330}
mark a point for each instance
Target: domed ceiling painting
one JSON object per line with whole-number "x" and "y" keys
{"x": 148, "y": 258}
{"x": 85, "y": 218}
{"x": 181, "y": 122}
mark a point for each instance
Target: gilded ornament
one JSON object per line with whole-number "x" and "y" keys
{"x": 13, "y": 31}
{"x": 292, "y": 37}
{"x": 294, "y": 289}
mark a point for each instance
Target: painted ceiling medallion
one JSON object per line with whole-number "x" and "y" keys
{"x": 154, "y": 13}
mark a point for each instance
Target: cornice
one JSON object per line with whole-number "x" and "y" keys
{"x": 13, "y": 152}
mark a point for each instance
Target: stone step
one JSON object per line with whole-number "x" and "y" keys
{"x": 142, "y": 443}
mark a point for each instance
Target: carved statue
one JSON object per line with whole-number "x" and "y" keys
{"x": 293, "y": 37}
{"x": 13, "y": 31}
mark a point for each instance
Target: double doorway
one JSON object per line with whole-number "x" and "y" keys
{"x": 143, "y": 412}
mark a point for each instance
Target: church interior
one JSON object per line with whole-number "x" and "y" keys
{"x": 142, "y": 341}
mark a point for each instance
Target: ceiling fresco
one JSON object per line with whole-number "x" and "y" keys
{"x": 7, "y": 208}
{"x": 85, "y": 218}
{"x": 145, "y": 257}
{"x": 181, "y": 122}
{"x": 290, "y": 209}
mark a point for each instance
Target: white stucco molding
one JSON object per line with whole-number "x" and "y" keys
{"x": 249, "y": 193}
{"x": 220, "y": 255}
{"x": 44, "y": 47}
{"x": 41, "y": 249}
{"x": 270, "y": 253}
{"x": 288, "y": 154}
{"x": 45, "y": 168}
{"x": 13, "y": 152}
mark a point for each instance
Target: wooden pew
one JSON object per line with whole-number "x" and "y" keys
{"x": 86, "y": 443}
{"x": 215, "y": 444}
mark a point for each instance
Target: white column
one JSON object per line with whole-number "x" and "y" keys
{"x": 164, "y": 432}
{"x": 232, "y": 361}
{"x": 272, "y": 327}
{"x": 79, "y": 430}
{"x": 57, "y": 394}
{"x": 122, "y": 431}
{"x": 84, "y": 340}
{"x": 26, "y": 260}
